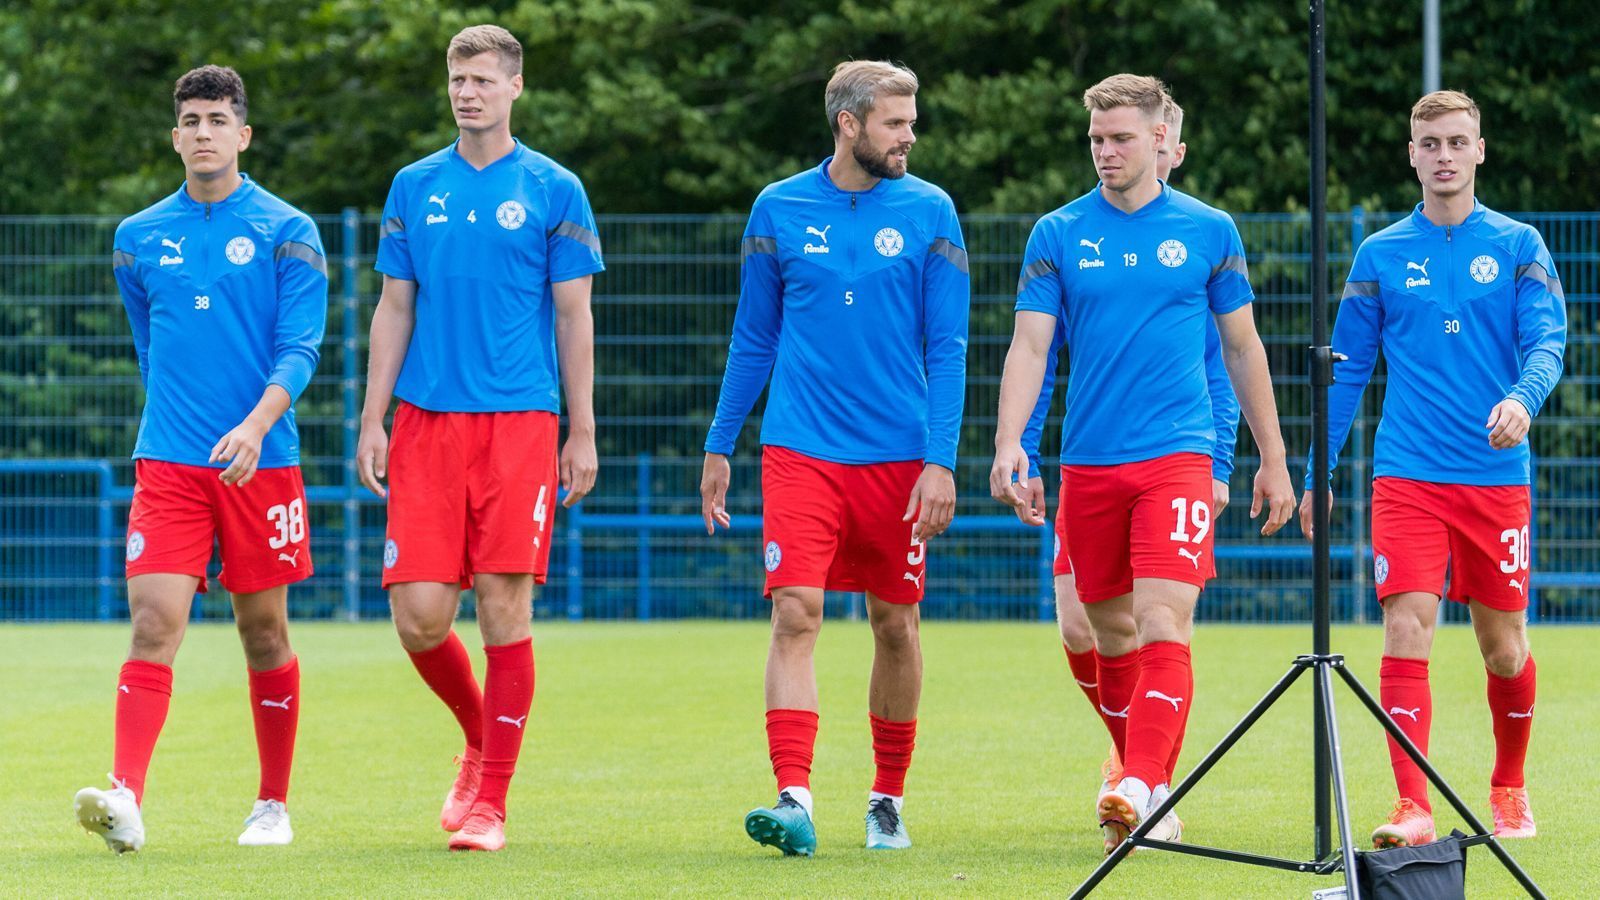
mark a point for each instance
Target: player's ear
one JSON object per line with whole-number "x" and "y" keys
{"x": 849, "y": 125}
{"x": 516, "y": 86}
{"x": 244, "y": 138}
{"x": 175, "y": 148}
{"x": 1481, "y": 147}
{"x": 1411, "y": 153}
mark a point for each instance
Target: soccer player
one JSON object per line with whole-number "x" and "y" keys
{"x": 226, "y": 289}
{"x": 854, "y": 299}
{"x": 1115, "y": 679}
{"x": 488, "y": 253}
{"x": 1133, "y": 267}
{"x": 1469, "y": 312}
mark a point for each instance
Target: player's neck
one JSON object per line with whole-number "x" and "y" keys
{"x": 213, "y": 188}
{"x": 482, "y": 149}
{"x": 1134, "y": 198}
{"x": 1451, "y": 210}
{"x": 847, "y": 174}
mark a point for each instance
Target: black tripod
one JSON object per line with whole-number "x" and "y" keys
{"x": 1322, "y": 663}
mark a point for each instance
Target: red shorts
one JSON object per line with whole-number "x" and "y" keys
{"x": 178, "y": 511}
{"x": 470, "y": 492}
{"x": 1148, "y": 519}
{"x": 1061, "y": 563}
{"x": 838, "y": 526}
{"x": 1420, "y": 528}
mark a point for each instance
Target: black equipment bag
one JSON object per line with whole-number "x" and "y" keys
{"x": 1436, "y": 871}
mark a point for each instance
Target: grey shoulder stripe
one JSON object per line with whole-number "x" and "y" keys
{"x": 391, "y": 225}
{"x": 945, "y": 248}
{"x": 754, "y": 245}
{"x": 1537, "y": 272}
{"x": 1036, "y": 269}
{"x": 1359, "y": 289}
{"x": 303, "y": 252}
{"x": 121, "y": 259}
{"x": 1232, "y": 264}
{"x": 577, "y": 233}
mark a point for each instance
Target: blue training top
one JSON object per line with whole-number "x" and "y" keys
{"x": 484, "y": 247}
{"x": 224, "y": 299}
{"x": 855, "y": 303}
{"x": 1467, "y": 316}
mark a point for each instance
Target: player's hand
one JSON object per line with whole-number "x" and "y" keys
{"x": 1032, "y": 511}
{"x": 933, "y": 502}
{"x": 1508, "y": 423}
{"x": 1275, "y": 492}
{"x": 241, "y": 449}
{"x": 580, "y": 464}
{"x": 1010, "y": 463}
{"x": 714, "y": 479}
{"x": 372, "y": 457}
{"x": 1219, "y": 496}
{"x": 1307, "y": 519}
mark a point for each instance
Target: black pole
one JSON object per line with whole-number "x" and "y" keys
{"x": 1321, "y": 377}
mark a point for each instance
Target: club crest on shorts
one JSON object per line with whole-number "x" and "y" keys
{"x": 1172, "y": 254}
{"x": 510, "y": 215}
{"x": 1380, "y": 568}
{"x": 1056, "y": 553}
{"x": 240, "y": 250}
{"x": 1484, "y": 269}
{"x": 391, "y": 554}
{"x": 888, "y": 242}
{"x": 135, "y": 545}
{"x": 774, "y": 556}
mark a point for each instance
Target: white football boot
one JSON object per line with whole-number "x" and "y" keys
{"x": 113, "y": 814}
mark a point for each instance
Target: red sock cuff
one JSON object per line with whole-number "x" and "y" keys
{"x": 1118, "y": 665}
{"x": 1085, "y": 667}
{"x": 792, "y": 717}
{"x": 1401, "y": 667}
{"x": 148, "y": 675}
{"x": 509, "y": 650}
{"x": 273, "y": 681}
{"x": 1163, "y": 651}
{"x": 1516, "y": 682}
{"x": 448, "y": 647}
{"x": 885, "y": 728}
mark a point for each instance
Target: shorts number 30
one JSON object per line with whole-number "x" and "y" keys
{"x": 1516, "y": 550}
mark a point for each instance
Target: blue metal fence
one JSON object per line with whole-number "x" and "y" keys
{"x": 69, "y": 403}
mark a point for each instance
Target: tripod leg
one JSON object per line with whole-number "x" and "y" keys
{"x": 1438, "y": 781}
{"x": 1335, "y": 757}
{"x": 1216, "y": 754}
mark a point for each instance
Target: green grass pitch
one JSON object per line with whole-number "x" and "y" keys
{"x": 645, "y": 750}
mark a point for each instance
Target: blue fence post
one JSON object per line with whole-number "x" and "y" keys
{"x": 644, "y": 537}
{"x": 575, "y": 563}
{"x": 1047, "y": 577}
{"x": 351, "y": 244}
{"x": 107, "y": 539}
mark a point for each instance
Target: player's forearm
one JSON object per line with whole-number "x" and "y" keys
{"x": 575, "y": 348}
{"x": 1540, "y": 372}
{"x": 1020, "y": 385}
{"x": 1247, "y": 368}
{"x": 386, "y": 352}
{"x": 274, "y": 402}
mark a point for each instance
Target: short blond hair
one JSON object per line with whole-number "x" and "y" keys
{"x": 1145, "y": 93}
{"x": 858, "y": 83}
{"x": 1172, "y": 114}
{"x": 476, "y": 39}
{"x": 1439, "y": 103}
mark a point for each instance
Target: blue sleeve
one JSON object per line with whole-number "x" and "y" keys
{"x": 1541, "y": 325}
{"x": 1229, "y": 285}
{"x": 302, "y": 270}
{"x": 1033, "y": 434}
{"x": 1040, "y": 287}
{"x": 1224, "y": 406}
{"x": 1356, "y": 333}
{"x": 394, "y": 253}
{"x": 134, "y": 299}
{"x": 946, "y": 304}
{"x": 574, "y": 241}
{"x": 754, "y": 346}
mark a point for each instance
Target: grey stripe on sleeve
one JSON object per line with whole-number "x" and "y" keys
{"x": 1036, "y": 269}
{"x": 957, "y": 256}
{"x": 303, "y": 252}
{"x": 1232, "y": 264}
{"x": 391, "y": 225}
{"x": 121, "y": 259}
{"x": 754, "y": 245}
{"x": 577, "y": 233}
{"x": 1359, "y": 289}
{"x": 1537, "y": 272}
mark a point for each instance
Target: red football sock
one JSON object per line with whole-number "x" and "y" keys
{"x": 275, "y": 706}
{"x": 507, "y": 698}
{"x": 1511, "y": 703}
{"x": 1403, "y": 691}
{"x": 144, "y": 690}
{"x": 448, "y": 670}
{"x": 791, "y": 735}
{"x": 1085, "y": 668}
{"x": 892, "y": 743}
{"x": 1118, "y": 675}
{"x": 1156, "y": 713}
{"x": 1177, "y": 745}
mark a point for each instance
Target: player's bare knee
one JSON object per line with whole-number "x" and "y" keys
{"x": 156, "y": 636}
{"x": 896, "y": 633}
{"x": 419, "y": 633}
{"x": 794, "y": 621}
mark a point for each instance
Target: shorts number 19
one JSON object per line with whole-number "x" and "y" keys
{"x": 1198, "y": 513}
